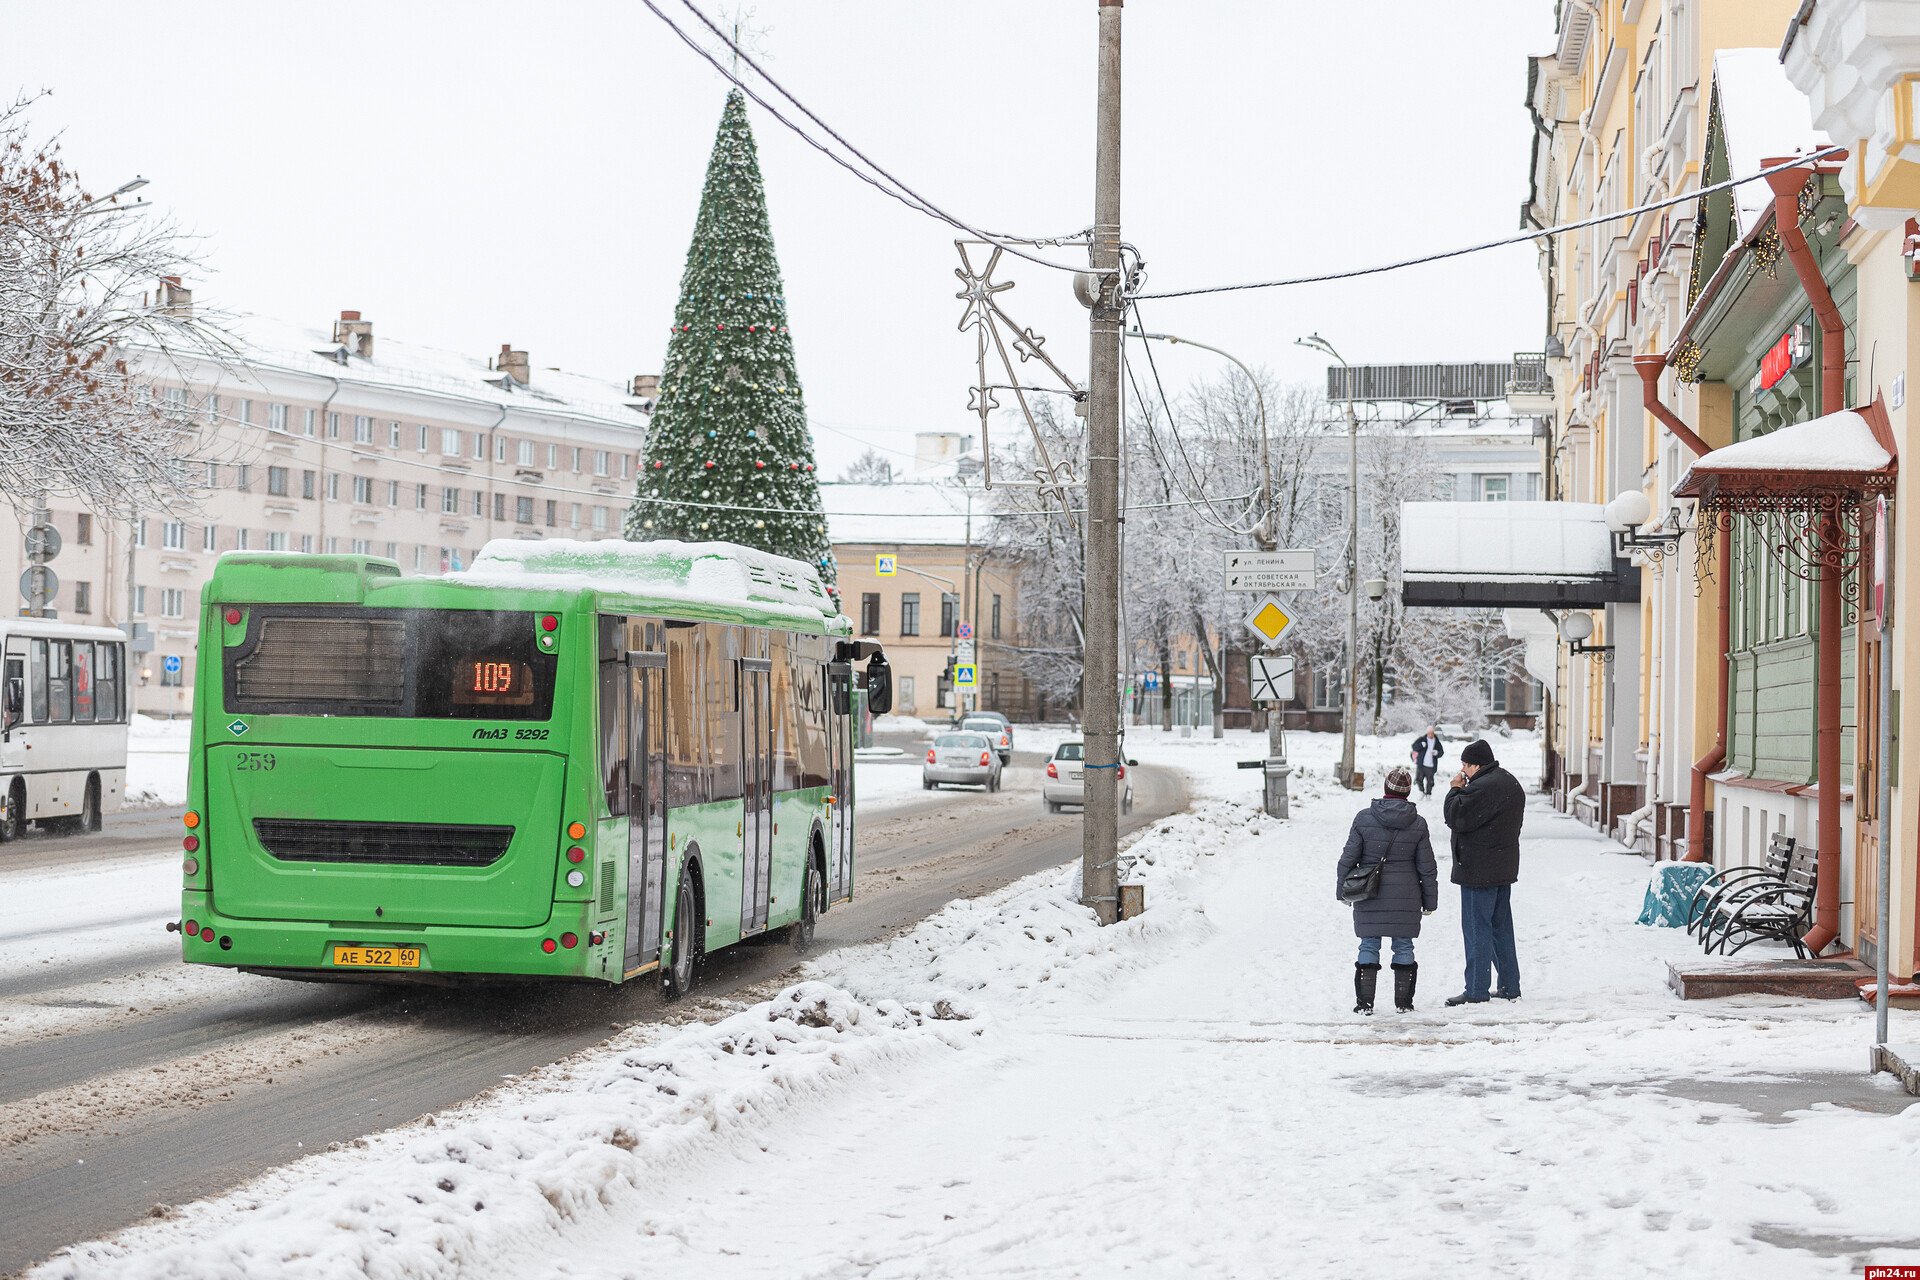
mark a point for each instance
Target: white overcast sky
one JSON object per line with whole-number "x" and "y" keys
{"x": 468, "y": 174}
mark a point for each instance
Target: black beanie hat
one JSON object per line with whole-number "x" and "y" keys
{"x": 1477, "y": 752}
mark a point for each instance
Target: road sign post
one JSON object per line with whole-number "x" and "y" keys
{"x": 39, "y": 584}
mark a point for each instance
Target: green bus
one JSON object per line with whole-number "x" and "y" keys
{"x": 590, "y": 760}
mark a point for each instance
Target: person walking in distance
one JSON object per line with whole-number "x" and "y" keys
{"x": 1484, "y": 809}
{"x": 1389, "y": 835}
{"x": 1427, "y": 750}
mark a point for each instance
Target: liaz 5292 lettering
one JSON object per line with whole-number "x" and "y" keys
{"x": 575, "y": 760}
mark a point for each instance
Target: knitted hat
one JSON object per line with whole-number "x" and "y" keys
{"x": 1399, "y": 781}
{"x": 1478, "y": 752}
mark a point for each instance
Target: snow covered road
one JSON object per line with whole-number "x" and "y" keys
{"x": 1006, "y": 1091}
{"x": 127, "y": 1079}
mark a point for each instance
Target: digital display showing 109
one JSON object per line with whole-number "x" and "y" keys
{"x": 481, "y": 680}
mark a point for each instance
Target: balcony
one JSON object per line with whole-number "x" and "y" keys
{"x": 1530, "y": 387}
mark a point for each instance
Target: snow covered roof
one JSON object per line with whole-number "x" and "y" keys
{"x": 1506, "y": 541}
{"x": 1841, "y": 449}
{"x": 717, "y": 574}
{"x": 1762, "y": 117}
{"x": 268, "y": 343}
{"x": 904, "y": 512}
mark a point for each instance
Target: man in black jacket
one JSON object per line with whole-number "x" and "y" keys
{"x": 1484, "y": 810}
{"x": 1427, "y": 750}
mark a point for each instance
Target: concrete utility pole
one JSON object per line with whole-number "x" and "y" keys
{"x": 1099, "y": 857}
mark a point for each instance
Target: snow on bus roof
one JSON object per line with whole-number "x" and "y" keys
{"x": 711, "y": 573}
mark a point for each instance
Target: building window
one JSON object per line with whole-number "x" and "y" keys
{"x": 246, "y": 412}
{"x": 870, "y": 613}
{"x": 240, "y": 540}
{"x": 576, "y": 458}
{"x": 277, "y": 482}
{"x": 423, "y": 438}
{"x": 333, "y": 546}
{"x": 574, "y": 521}
{"x": 479, "y": 503}
{"x": 949, "y": 612}
{"x": 83, "y": 530}
{"x": 140, "y": 601}
{"x": 276, "y": 541}
{"x": 393, "y": 434}
{"x": 499, "y": 448}
{"x": 419, "y": 557}
{"x": 393, "y": 493}
{"x": 1495, "y": 689}
{"x": 173, "y": 603}
{"x": 1326, "y": 691}
{"x": 312, "y": 420}
{"x": 910, "y": 613}
{"x": 306, "y": 544}
{"x": 450, "y": 501}
{"x": 499, "y": 506}
{"x": 277, "y": 418}
{"x": 173, "y": 536}
{"x": 210, "y": 538}
{"x": 523, "y": 510}
{"x": 626, "y": 466}
{"x": 333, "y": 486}
{"x": 1493, "y": 488}
{"x": 526, "y": 453}
{"x": 600, "y": 462}
{"x": 599, "y": 519}
{"x": 553, "y": 457}
{"x": 306, "y": 485}
{"x": 449, "y": 442}
{"x": 243, "y": 477}
{"x": 363, "y": 490}
{"x": 996, "y": 617}
{"x": 83, "y": 597}
{"x": 553, "y": 514}
{"x": 479, "y": 446}
{"x": 362, "y": 547}
{"x": 333, "y": 426}
{"x": 213, "y": 475}
{"x": 362, "y": 429}
{"x": 140, "y": 534}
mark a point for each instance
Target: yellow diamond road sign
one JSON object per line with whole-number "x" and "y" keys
{"x": 1269, "y": 621}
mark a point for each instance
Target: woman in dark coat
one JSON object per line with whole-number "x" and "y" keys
{"x": 1390, "y": 831}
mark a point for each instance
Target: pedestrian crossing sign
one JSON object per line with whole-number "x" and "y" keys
{"x": 1269, "y": 620}
{"x": 885, "y": 566}
{"x": 964, "y": 675}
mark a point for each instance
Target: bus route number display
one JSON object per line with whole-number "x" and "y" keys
{"x": 492, "y": 682}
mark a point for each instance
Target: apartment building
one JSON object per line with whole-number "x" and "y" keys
{"x": 331, "y": 439}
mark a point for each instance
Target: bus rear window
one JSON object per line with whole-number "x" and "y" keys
{"x": 453, "y": 664}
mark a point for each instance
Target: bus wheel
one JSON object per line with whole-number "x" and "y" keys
{"x": 13, "y": 812}
{"x": 813, "y": 892}
{"x": 90, "y": 807}
{"x": 687, "y": 935}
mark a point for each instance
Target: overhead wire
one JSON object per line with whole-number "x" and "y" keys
{"x": 905, "y": 195}
{"x": 1521, "y": 238}
{"x": 1222, "y": 522}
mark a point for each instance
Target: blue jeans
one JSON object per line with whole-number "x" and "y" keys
{"x": 1370, "y": 951}
{"x": 1486, "y": 921}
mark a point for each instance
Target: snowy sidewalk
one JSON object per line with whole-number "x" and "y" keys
{"x": 1007, "y": 1091}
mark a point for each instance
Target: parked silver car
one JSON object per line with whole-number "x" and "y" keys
{"x": 961, "y": 760}
{"x": 1066, "y": 779}
{"x": 998, "y": 731}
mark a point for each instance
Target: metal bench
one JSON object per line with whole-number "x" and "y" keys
{"x": 1724, "y": 883}
{"x": 1766, "y": 911}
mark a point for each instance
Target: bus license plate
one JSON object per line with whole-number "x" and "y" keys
{"x": 376, "y": 957}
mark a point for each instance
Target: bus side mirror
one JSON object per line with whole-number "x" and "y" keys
{"x": 879, "y": 685}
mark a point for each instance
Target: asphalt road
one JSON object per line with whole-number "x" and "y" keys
{"x": 102, "y": 1124}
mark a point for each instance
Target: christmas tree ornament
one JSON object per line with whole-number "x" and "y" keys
{"x": 756, "y": 390}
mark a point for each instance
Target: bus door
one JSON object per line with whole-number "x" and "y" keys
{"x": 646, "y": 805}
{"x": 840, "y": 780}
{"x": 756, "y": 785}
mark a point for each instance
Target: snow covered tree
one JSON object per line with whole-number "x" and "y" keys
{"x": 729, "y": 456}
{"x": 79, "y": 288}
{"x": 869, "y": 468}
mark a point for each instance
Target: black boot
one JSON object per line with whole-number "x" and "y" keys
{"x": 1364, "y": 977}
{"x": 1405, "y": 977}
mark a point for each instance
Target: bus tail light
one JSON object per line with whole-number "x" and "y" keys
{"x": 191, "y": 844}
{"x": 189, "y": 866}
{"x": 546, "y": 945}
{"x": 191, "y": 820}
{"x": 206, "y": 933}
{"x": 232, "y": 616}
{"x": 576, "y": 855}
{"x": 191, "y": 928}
{"x": 549, "y": 623}
{"x": 576, "y": 878}
{"x": 1053, "y": 770}
{"x": 569, "y": 940}
{"x": 576, "y": 830}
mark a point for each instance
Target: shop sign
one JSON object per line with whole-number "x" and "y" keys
{"x": 1783, "y": 357}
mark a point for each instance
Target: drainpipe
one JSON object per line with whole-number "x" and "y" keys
{"x": 1649, "y": 367}
{"x": 1833, "y": 398}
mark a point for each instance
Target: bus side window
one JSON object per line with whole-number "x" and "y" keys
{"x": 37, "y": 685}
{"x": 786, "y": 719}
{"x": 106, "y": 682}
{"x": 83, "y": 682}
{"x": 613, "y": 714}
{"x": 716, "y": 689}
{"x": 60, "y": 681}
{"x": 686, "y": 761}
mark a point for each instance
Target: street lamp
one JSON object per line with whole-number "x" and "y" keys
{"x": 1315, "y": 342}
{"x": 1276, "y": 767}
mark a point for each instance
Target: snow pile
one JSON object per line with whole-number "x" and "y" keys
{"x": 1837, "y": 442}
{"x": 445, "y": 1197}
{"x": 709, "y": 573}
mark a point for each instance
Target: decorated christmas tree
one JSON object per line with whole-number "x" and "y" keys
{"x": 729, "y": 457}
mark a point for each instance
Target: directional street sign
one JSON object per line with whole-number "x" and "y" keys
{"x": 963, "y": 675}
{"x": 1262, "y": 571}
{"x": 964, "y": 631}
{"x": 1271, "y": 679}
{"x": 885, "y": 566}
{"x": 172, "y": 664}
{"x": 963, "y": 651}
{"x": 1269, "y": 620}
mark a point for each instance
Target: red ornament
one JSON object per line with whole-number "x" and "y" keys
{"x": 793, "y": 466}
{"x": 709, "y": 463}
{"x": 658, "y": 465}
{"x": 759, "y": 466}
{"x": 721, "y": 326}
{"x": 753, "y": 328}
{"x": 809, "y": 466}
